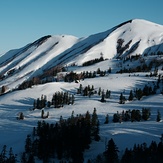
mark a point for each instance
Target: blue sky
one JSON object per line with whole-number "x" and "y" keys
{"x": 24, "y": 21}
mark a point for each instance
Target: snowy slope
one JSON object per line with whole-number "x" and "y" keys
{"x": 133, "y": 37}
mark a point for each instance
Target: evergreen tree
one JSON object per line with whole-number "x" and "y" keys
{"x": 80, "y": 90}
{"x": 139, "y": 93}
{"x": 131, "y": 96}
{"x": 116, "y": 117}
{"x": 111, "y": 153}
{"x": 88, "y": 118}
{"x": 127, "y": 156}
{"x": 34, "y": 104}
{"x": 94, "y": 74}
{"x": 145, "y": 113}
{"x": 28, "y": 144}
{"x": 42, "y": 113}
{"x": 135, "y": 115}
{"x": 95, "y": 125}
{"x": 122, "y": 99}
{"x": 85, "y": 91}
{"x": 109, "y": 70}
{"x": 99, "y": 91}
{"x": 106, "y": 119}
{"x": 23, "y": 158}
{"x": 158, "y": 116}
{"x": 103, "y": 97}
{"x": 3, "y": 156}
{"x": 72, "y": 99}
{"x": 108, "y": 93}
{"x": 98, "y": 71}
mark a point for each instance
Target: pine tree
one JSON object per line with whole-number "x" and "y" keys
{"x": 111, "y": 153}
{"x": 109, "y": 70}
{"x": 158, "y": 116}
{"x": 103, "y": 97}
{"x": 95, "y": 125}
{"x": 72, "y": 99}
{"x": 108, "y": 92}
{"x": 85, "y": 91}
{"x": 98, "y": 71}
{"x": 28, "y": 145}
{"x": 12, "y": 157}
{"x": 3, "y": 154}
{"x": 42, "y": 113}
{"x": 23, "y": 158}
{"x": 116, "y": 117}
{"x": 131, "y": 96}
{"x": 106, "y": 119}
{"x": 80, "y": 89}
{"x": 99, "y": 91}
{"x": 34, "y": 104}
{"x": 139, "y": 94}
{"x": 121, "y": 99}
{"x": 145, "y": 113}
{"x": 94, "y": 118}
{"x": 127, "y": 156}
{"x": 88, "y": 118}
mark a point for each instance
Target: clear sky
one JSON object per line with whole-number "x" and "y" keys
{"x": 24, "y": 21}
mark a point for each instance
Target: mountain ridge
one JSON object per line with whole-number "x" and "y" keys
{"x": 130, "y": 38}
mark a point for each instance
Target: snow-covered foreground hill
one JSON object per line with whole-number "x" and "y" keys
{"x": 13, "y": 132}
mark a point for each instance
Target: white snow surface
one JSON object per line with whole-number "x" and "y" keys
{"x": 66, "y": 50}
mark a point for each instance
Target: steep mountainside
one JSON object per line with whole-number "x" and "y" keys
{"x": 131, "y": 38}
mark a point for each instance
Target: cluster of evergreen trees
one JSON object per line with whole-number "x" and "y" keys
{"x": 40, "y": 103}
{"x": 142, "y": 68}
{"x": 86, "y": 91}
{"x": 73, "y": 76}
{"x": 29, "y": 83}
{"x": 89, "y": 90}
{"x": 139, "y": 153}
{"x": 58, "y": 100}
{"x": 138, "y": 93}
{"x": 134, "y": 115}
{"x": 93, "y": 61}
{"x": 7, "y": 157}
{"x": 62, "y": 98}
{"x": 93, "y": 74}
{"x": 66, "y": 139}
{"x": 144, "y": 154}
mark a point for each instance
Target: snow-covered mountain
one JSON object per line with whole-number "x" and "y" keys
{"x": 119, "y": 47}
{"x": 128, "y": 39}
